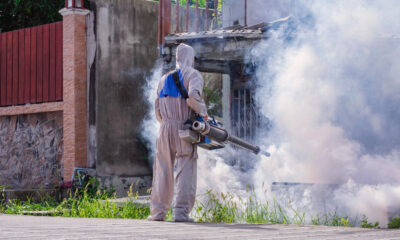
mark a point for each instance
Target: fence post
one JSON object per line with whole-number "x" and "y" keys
{"x": 206, "y": 28}
{"x": 216, "y": 13}
{"x": 177, "y": 16}
{"x": 187, "y": 15}
{"x": 164, "y": 21}
{"x": 197, "y": 16}
{"x": 74, "y": 89}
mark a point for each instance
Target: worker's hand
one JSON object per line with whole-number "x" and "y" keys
{"x": 205, "y": 117}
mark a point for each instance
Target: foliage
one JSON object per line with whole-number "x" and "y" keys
{"x": 91, "y": 188}
{"x": 101, "y": 206}
{"x": 366, "y": 224}
{"x": 17, "y": 14}
{"x": 215, "y": 207}
{"x": 395, "y": 223}
{"x": 228, "y": 208}
{"x": 81, "y": 203}
{"x": 213, "y": 101}
{"x": 202, "y": 3}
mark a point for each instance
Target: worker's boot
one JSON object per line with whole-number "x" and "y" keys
{"x": 150, "y": 218}
{"x": 184, "y": 219}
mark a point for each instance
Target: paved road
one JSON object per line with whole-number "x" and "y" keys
{"x": 29, "y": 227}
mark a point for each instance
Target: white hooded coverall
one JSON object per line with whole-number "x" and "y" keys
{"x": 172, "y": 112}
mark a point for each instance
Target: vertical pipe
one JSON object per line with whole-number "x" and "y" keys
{"x": 238, "y": 110}
{"x": 187, "y": 15}
{"x": 197, "y": 15}
{"x": 216, "y": 13}
{"x": 245, "y": 12}
{"x": 206, "y": 28}
{"x": 251, "y": 113}
{"x": 166, "y": 19}
{"x": 245, "y": 114}
{"x": 177, "y": 16}
{"x": 66, "y": 3}
{"x": 160, "y": 24}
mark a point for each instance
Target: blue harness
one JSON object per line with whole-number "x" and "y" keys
{"x": 170, "y": 89}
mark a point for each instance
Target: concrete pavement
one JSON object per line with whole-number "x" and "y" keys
{"x": 30, "y": 227}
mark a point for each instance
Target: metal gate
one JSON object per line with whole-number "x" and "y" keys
{"x": 244, "y": 115}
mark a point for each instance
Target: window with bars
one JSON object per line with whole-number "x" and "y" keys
{"x": 244, "y": 115}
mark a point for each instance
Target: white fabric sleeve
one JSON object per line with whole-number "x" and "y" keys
{"x": 195, "y": 91}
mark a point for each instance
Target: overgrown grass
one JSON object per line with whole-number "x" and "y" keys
{"x": 214, "y": 207}
{"x": 229, "y": 208}
{"x": 395, "y": 223}
{"x": 81, "y": 203}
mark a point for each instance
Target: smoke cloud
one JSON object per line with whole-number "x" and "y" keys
{"x": 150, "y": 125}
{"x": 329, "y": 82}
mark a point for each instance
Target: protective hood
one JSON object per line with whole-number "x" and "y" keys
{"x": 184, "y": 57}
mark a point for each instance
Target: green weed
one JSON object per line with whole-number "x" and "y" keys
{"x": 88, "y": 202}
{"x": 394, "y": 223}
{"x": 91, "y": 202}
{"x": 228, "y": 208}
{"x": 366, "y": 224}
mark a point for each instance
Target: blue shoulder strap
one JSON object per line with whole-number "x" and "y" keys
{"x": 173, "y": 87}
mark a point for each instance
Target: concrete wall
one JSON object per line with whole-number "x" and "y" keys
{"x": 31, "y": 149}
{"x": 126, "y": 35}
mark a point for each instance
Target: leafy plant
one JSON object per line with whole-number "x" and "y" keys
{"x": 16, "y": 14}
{"x": 366, "y": 224}
{"x": 213, "y": 101}
{"x": 394, "y": 223}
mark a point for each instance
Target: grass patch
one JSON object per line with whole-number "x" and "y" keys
{"x": 366, "y": 224}
{"x": 229, "y": 208}
{"x": 3, "y": 187}
{"x": 394, "y": 223}
{"x": 90, "y": 202}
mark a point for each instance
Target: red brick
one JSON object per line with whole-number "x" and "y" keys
{"x": 74, "y": 90}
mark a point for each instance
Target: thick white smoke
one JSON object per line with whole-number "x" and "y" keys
{"x": 330, "y": 83}
{"x": 150, "y": 125}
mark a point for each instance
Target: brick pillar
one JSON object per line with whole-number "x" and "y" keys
{"x": 74, "y": 89}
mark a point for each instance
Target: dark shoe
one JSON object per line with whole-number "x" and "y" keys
{"x": 188, "y": 219}
{"x": 150, "y": 218}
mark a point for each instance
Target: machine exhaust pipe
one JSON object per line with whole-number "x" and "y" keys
{"x": 221, "y": 135}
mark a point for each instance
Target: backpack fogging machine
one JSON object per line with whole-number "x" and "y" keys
{"x": 210, "y": 135}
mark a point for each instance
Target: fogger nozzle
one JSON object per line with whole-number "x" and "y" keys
{"x": 199, "y": 126}
{"x": 221, "y": 135}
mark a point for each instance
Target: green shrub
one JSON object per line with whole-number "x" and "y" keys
{"x": 395, "y": 223}
{"x": 366, "y": 224}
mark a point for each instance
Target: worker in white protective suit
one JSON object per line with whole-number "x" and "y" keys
{"x": 172, "y": 110}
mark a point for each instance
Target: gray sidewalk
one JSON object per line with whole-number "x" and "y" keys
{"x": 28, "y": 227}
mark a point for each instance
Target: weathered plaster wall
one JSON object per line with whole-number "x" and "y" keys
{"x": 126, "y": 52}
{"x": 31, "y": 148}
{"x": 126, "y": 36}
